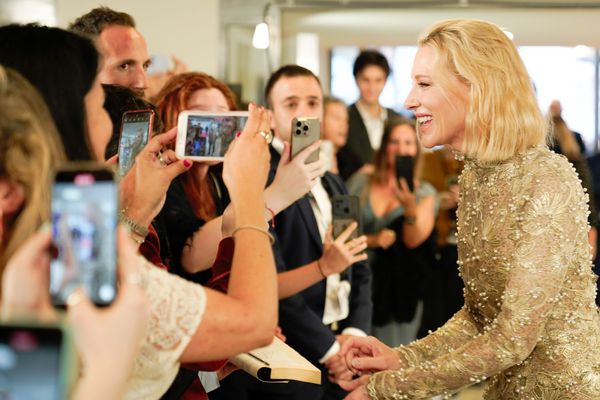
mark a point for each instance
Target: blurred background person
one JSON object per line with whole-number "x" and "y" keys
{"x": 367, "y": 116}
{"x": 335, "y": 130}
{"x": 570, "y": 144}
{"x": 399, "y": 226}
{"x": 443, "y": 295}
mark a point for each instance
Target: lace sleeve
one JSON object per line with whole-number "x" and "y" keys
{"x": 544, "y": 237}
{"x": 453, "y": 334}
{"x": 177, "y": 307}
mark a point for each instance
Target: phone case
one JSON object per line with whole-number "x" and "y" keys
{"x": 345, "y": 210}
{"x": 405, "y": 166}
{"x": 305, "y": 131}
{"x": 206, "y": 136}
{"x": 84, "y": 219}
{"x": 132, "y": 140}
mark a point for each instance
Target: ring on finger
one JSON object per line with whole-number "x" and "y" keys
{"x": 266, "y": 135}
{"x": 160, "y": 158}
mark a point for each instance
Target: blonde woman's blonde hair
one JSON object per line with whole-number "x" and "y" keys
{"x": 30, "y": 149}
{"x": 503, "y": 118}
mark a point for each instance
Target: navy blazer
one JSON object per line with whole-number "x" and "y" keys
{"x": 298, "y": 242}
{"x": 358, "y": 150}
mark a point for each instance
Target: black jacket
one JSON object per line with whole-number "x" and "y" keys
{"x": 297, "y": 243}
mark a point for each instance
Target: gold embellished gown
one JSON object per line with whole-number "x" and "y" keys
{"x": 530, "y": 323}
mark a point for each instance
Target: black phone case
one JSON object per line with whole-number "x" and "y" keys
{"x": 405, "y": 168}
{"x": 345, "y": 210}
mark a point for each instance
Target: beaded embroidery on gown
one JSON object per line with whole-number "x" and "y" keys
{"x": 530, "y": 323}
{"x": 177, "y": 307}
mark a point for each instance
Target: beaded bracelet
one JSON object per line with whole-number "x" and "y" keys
{"x": 256, "y": 228}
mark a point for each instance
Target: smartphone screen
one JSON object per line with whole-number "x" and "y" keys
{"x": 30, "y": 363}
{"x": 207, "y": 136}
{"x": 136, "y": 130}
{"x": 405, "y": 166}
{"x": 305, "y": 131}
{"x": 84, "y": 220}
{"x": 345, "y": 210}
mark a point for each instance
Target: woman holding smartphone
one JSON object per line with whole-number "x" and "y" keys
{"x": 398, "y": 224}
{"x": 188, "y": 323}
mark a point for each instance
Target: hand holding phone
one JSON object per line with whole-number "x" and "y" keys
{"x": 344, "y": 245}
{"x": 345, "y": 211}
{"x": 136, "y": 129}
{"x": 305, "y": 131}
{"x": 84, "y": 220}
{"x": 206, "y": 136}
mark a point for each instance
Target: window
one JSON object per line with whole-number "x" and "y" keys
{"x": 566, "y": 74}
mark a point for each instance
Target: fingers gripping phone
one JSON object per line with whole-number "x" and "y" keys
{"x": 84, "y": 220}
{"x": 136, "y": 129}
{"x": 305, "y": 131}
{"x": 405, "y": 168}
{"x": 206, "y": 136}
{"x": 345, "y": 211}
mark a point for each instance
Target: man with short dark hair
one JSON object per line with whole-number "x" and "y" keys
{"x": 367, "y": 116}
{"x": 124, "y": 51}
{"x": 317, "y": 320}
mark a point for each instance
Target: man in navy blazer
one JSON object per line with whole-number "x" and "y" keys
{"x": 294, "y": 91}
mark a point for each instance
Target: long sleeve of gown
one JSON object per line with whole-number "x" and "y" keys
{"x": 453, "y": 334}
{"x": 521, "y": 232}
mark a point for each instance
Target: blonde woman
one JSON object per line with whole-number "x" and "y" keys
{"x": 529, "y": 326}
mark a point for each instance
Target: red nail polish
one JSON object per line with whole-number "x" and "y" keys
{"x": 238, "y": 133}
{"x": 187, "y": 163}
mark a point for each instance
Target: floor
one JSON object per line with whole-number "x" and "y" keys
{"x": 472, "y": 393}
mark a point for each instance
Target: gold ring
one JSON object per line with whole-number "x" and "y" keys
{"x": 161, "y": 159}
{"x": 266, "y": 135}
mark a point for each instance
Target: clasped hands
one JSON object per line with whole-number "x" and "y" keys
{"x": 358, "y": 358}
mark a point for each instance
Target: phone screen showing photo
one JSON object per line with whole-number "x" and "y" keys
{"x": 210, "y": 136}
{"x": 135, "y": 133}
{"x": 30, "y": 363}
{"x": 84, "y": 218}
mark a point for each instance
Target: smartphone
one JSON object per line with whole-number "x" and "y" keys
{"x": 345, "y": 210}
{"x": 136, "y": 129}
{"x": 305, "y": 131}
{"x": 405, "y": 168}
{"x": 84, "y": 220}
{"x": 206, "y": 136}
{"x": 34, "y": 362}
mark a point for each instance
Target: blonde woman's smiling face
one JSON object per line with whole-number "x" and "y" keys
{"x": 439, "y": 100}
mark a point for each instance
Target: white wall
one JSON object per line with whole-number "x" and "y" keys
{"x": 188, "y": 29}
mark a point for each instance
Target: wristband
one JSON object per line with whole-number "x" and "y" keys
{"x": 255, "y": 228}
{"x": 138, "y": 230}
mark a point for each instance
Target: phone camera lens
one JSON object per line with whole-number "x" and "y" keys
{"x": 305, "y": 127}
{"x": 298, "y": 132}
{"x": 298, "y": 124}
